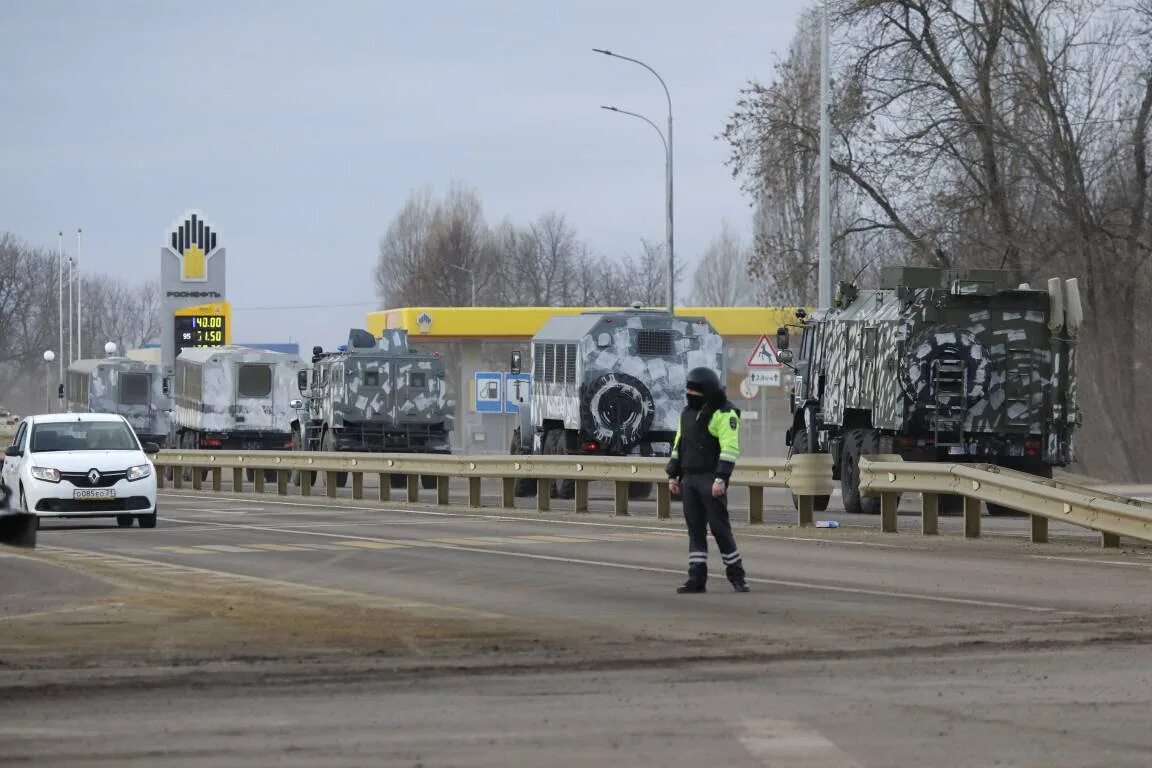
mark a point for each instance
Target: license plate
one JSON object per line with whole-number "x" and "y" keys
{"x": 94, "y": 493}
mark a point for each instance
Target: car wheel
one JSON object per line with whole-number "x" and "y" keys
{"x": 124, "y": 521}
{"x": 147, "y": 521}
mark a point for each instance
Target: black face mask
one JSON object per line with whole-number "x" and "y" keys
{"x": 695, "y": 402}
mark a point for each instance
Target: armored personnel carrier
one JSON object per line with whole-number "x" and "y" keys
{"x": 374, "y": 395}
{"x": 611, "y": 383}
{"x": 233, "y": 398}
{"x": 131, "y": 388}
{"x": 938, "y": 365}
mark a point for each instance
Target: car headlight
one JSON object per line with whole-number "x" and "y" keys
{"x": 139, "y": 472}
{"x": 47, "y": 474}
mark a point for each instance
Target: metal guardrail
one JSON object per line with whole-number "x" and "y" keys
{"x": 805, "y": 475}
{"x": 1043, "y": 500}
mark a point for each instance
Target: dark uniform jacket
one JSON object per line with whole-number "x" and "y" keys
{"x": 707, "y": 442}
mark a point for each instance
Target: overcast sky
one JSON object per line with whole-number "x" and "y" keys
{"x": 299, "y": 128}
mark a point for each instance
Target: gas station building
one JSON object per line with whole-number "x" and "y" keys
{"x": 477, "y": 343}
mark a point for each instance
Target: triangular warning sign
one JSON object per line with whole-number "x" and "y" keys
{"x": 764, "y": 355}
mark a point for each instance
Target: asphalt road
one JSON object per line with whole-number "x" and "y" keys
{"x": 258, "y": 631}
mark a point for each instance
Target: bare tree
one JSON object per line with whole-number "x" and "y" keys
{"x": 721, "y": 277}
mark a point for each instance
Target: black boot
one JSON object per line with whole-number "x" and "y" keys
{"x": 697, "y": 578}
{"x": 735, "y": 573}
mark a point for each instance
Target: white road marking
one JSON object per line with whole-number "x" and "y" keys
{"x": 1091, "y": 560}
{"x": 652, "y": 569}
{"x": 788, "y": 743}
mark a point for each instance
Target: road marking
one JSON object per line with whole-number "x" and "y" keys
{"x": 55, "y": 611}
{"x": 282, "y": 548}
{"x": 895, "y": 594}
{"x": 370, "y": 544}
{"x": 223, "y": 548}
{"x": 1093, "y": 561}
{"x": 787, "y": 743}
{"x": 665, "y": 531}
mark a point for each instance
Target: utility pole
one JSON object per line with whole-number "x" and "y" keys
{"x": 824, "y": 275}
{"x": 60, "y": 282}
{"x": 79, "y": 301}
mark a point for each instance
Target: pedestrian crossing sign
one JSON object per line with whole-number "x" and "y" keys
{"x": 764, "y": 355}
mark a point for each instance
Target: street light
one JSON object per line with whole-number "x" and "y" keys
{"x": 49, "y": 356}
{"x": 667, "y": 170}
{"x": 471, "y": 272}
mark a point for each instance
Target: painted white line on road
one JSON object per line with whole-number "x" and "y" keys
{"x": 56, "y": 611}
{"x": 788, "y": 743}
{"x": 1091, "y": 560}
{"x": 652, "y": 569}
{"x": 743, "y": 533}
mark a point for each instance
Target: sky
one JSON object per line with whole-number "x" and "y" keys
{"x": 300, "y": 128}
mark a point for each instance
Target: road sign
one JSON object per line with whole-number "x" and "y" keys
{"x": 764, "y": 378}
{"x": 764, "y": 356}
{"x": 517, "y": 391}
{"x": 489, "y": 392}
{"x": 748, "y": 389}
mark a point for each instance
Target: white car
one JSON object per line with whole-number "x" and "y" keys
{"x": 81, "y": 465}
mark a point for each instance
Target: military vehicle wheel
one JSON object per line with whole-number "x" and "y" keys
{"x": 857, "y": 443}
{"x": 524, "y": 487}
{"x": 639, "y": 491}
{"x": 124, "y": 521}
{"x": 802, "y": 444}
{"x": 555, "y": 444}
{"x": 328, "y": 445}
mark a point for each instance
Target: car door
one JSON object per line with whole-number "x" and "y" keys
{"x": 11, "y": 472}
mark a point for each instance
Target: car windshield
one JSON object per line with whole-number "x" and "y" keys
{"x": 83, "y": 436}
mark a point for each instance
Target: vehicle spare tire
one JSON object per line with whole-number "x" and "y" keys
{"x": 938, "y": 344}
{"x": 617, "y": 411}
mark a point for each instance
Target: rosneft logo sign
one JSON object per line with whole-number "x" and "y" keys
{"x": 194, "y": 243}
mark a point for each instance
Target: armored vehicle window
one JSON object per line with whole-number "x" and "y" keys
{"x": 417, "y": 379}
{"x": 538, "y": 362}
{"x": 806, "y": 342}
{"x": 651, "y": 343}
{"x": 134, "y": 388}
{"x": 550, "y": 363}
{"x": 871, "y": 342}
{"x": 255, "y": 380}
{"x": 570, "y": 364}
{"x": 372, "y": 378}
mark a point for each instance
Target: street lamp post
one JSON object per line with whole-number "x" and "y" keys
{"x": 824, "y": 273}
{"x": 667, "y": 171}
{"x": 49, "y": 356}
{"x": 471, "y": 272}
{"x": 79, "y": 302}
{"x": 60, "y": 316}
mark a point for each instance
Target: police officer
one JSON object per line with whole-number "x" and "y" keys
{"x": 704, "y": 454}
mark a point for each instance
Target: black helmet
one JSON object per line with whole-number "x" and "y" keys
{"x": 706, "y": 382}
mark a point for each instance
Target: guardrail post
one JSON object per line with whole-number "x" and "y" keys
{"x": 1039, "y": 529}
{"x": 664, "y": 502}
{"x": 306, "y": 479}
{"x": 237, "y": 480}
{"x": 889, "y": 502}
{"x": 330, "y": 484}
{"x": 621, "y": 509}
{"x": 581, "y": 495}
{"x": 474, "y": 499}
{"x": 508, "y": 492}
{"x": 258, "y": 480}
{"x": 930, "y": 514}
{"x": 217, "y": 480}
{"x": 197, "y": 478}
{"x": 357, "y": 485}
{"x": 755, "y": 504}
{"x": 160, "y": 470}
{"x": 1109, "y": 540}
{"x": 972, "y": 509}
{"x": 177, "y": 477}
{"x": 384, "y": 492}
{"x": 805, "y": 510}
{"x": 442, "y": 490}
{"x": 413, "y": 488}
{"x": 543, "y": 495}
{"x": 282, "y": 478}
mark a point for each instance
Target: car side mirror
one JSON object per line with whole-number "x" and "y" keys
{"x": 151, "y": 448}
{"x": 164, "y": 386}
{"x": 13, "y": 451}
{"x": 784, "y": 356}
{"x": 781, "y": 339}
{"x": 302, "y": 381}
{"x": 60, "y": 392}
{"x": 515, "y": 367}
{"x": 296, "y": 405}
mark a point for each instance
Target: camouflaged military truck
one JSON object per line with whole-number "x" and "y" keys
{"x": 131, "y": 388}
{"x": 611, "y": 383}
{"x": 374, "y": 395}
{"x": 233, "y": 398}
{"x": 938, "y": 365}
